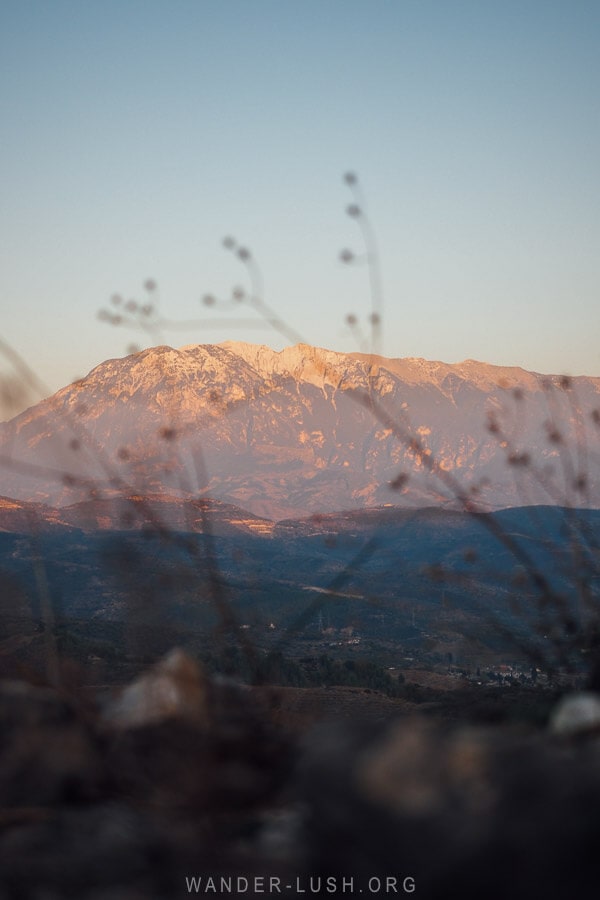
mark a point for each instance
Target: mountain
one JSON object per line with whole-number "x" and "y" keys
{"x": 307, "y": 431}
{"x": 135, "y": 513}
{"x": 20, "y": 516}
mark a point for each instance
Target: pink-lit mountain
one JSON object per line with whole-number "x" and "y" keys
{"x": 307, "y": 431}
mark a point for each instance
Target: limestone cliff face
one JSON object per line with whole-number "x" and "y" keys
{"x": 305, "y": 431}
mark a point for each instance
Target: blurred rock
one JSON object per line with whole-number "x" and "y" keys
{"x": 177, "y": 738}
{"x": 411, "y": 771}
{"x": 105, "y": 851}
{"x": 576, "y": 714}
{"x": 489, "y": 812}
{"x": 48, "y": 752}
{"x": 175, "y": 687}
{"x": 184, "y": 775}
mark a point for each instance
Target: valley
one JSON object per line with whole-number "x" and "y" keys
{"x": 295, "y": 601}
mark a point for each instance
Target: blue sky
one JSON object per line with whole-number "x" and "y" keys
{"x": 135, "y": 135}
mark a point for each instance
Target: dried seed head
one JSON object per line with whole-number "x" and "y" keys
{"x": 436, "y": 572}
{"x": 353, "y": 210}
{"x": 519, "y": 459}
{"x": 350, "y": 178}
{"x": 399, "y": 482}
{"x": 492, "y": 424}
{"x": 553, "y": 433}
{"x": 347, "y": 256}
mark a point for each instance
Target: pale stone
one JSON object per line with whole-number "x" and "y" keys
{"x": 576, "y": 713}
{"x": 174, "y": 688}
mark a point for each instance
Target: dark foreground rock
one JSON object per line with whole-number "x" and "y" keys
{"x": 120, "y": 804}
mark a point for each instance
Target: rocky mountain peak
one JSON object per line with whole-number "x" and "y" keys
{"x": 287, "y": 433}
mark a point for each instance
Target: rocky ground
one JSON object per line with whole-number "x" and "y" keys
{"x": 178, "y": 777}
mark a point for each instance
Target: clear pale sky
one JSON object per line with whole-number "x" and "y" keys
{"x": 135, "y": 135}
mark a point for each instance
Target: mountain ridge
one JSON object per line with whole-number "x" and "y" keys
{"x": 306, "y": 430}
